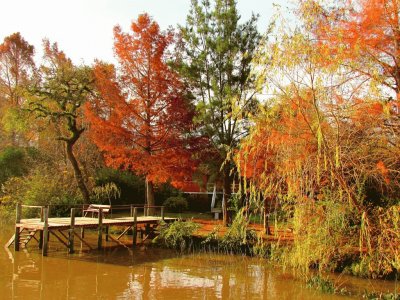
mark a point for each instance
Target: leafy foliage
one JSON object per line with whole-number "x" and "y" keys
{"x": 12, "y": 163}
{"x": 140, "y": 116}
{"x": 105, "y": 194}
{"x": 177, "y": 235}
{"x": 218, "y": 52}
{"x": 176, "y": 204}
{"x": 58, "y": 96}
{"x": 322, "y": 147}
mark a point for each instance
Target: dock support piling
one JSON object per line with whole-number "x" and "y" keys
{"x": 107, "y": 230}
{"x": 17, "y": 229}
{"x": 162, "y": 213}
{"x": 45, "y": 245}
{"x": 83, "y": 228}
{"x": 41, "y": 232}
{"x": 134, "y": 228}
{"x": 71, "y": 232}
{"x": 100, "y": 230}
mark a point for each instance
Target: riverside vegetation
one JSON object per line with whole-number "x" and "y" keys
{"x": 301, "y": 123}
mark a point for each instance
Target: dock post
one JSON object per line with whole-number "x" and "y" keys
{"x": 17, "y": 229}
{"x": 131, "y": 211}
{"x": 41, "y": 232}
{"x": 162, "y": 213}
{"x": 83, "y": 228}
{"x": 45, "y": 245}
{"x": 71, "y": 232}
{"x": 107, "y": 230}
{"x": 100, "y": 229}
{"x": 134, "y": 229}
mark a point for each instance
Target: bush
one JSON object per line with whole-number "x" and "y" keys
{"x": 13, "y": 163}
{"x": 176, "y": 204}
{"x": 322, "y": 284}
{"x": 43, "y": 187}
{"x": 177, "y": 235}
{"x": 131, "y": 187}
{"x": 238, "y": 238}
{"x": 106, "y": 194}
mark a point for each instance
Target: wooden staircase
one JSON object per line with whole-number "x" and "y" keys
{"x": 26, "y": 235}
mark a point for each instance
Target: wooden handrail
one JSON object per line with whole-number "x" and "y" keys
{"x": 34, "y": 206}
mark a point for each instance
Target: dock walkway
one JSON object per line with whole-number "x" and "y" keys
{"x": 65, "y": 229}
{"x": 87, "y": 222}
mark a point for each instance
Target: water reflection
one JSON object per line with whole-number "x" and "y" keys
{"x": 117, "y": 273}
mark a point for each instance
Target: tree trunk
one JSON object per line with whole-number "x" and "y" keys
{"x": 227, "y": 190}
{"x": 150, "y": 196}
{"x": 266, "y": 215}
{"x": 77, "y": 172}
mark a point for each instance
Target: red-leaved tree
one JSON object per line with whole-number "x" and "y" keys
{"x": 140, "y": 118}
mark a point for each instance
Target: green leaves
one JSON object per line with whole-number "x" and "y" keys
{"x": 217, "y": 63}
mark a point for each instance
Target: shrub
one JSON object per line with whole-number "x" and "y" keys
{"x": 177, "y": 235}
{"x": 12, "y": 163}
{"x": 176, "y": 204}
{"x": 131, "y": 187}
{"x": 42, "y": 187}
{"x": 238, "y": 237}
{"x": 106, "y": 194}
{"x": 324, "y": 285}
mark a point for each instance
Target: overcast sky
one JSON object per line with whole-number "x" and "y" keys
{"x": 83, "y": 28}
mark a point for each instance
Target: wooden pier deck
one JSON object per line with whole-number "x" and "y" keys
{"x": 86, "y": 222}
{"x": 66, "y": 229}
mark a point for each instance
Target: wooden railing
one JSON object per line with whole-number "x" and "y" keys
{"x": 44, "y": 217}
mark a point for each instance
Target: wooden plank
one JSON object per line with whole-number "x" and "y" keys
{"x": 10, "y": 241}
{"x": 123, "y": 233}
{"x": 58, "y": 238}
{"x": 64, "y": 223}
{"x": 118, "y": 241}
{"x": 32, "y": 236}
{"x": 83, "y": 241}
{"x": 64, "y": 235}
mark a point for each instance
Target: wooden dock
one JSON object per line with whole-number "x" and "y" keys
{"x": 66, "y": 229}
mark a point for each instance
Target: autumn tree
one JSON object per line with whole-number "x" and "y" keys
{"x": 218, "y": 52}
{"x": 16, "y": 71}
{"x": 320, "y": 146}
{"x": 57, "y": 96}
{"x": 140, "y": 117}
{"x": 362, "y": 35}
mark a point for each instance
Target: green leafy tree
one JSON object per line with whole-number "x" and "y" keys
{"x": 217, "y": 59}
{"x": 17, "y": 69}
{"x": 58, "y": 96}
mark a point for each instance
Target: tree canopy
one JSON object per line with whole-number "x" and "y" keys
{"x": 141, "y": 118}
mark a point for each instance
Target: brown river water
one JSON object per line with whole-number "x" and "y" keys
{"x": 152, "y": 273}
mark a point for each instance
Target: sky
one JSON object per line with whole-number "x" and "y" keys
{"x": 83, "y": 29}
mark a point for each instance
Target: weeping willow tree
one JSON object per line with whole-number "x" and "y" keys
{"x": 319, "y": 148}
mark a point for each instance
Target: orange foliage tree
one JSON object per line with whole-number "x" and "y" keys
{"x": 362, "y": 34}
{"x": 141, "y": 118}
{"x": 325, "y": 146}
